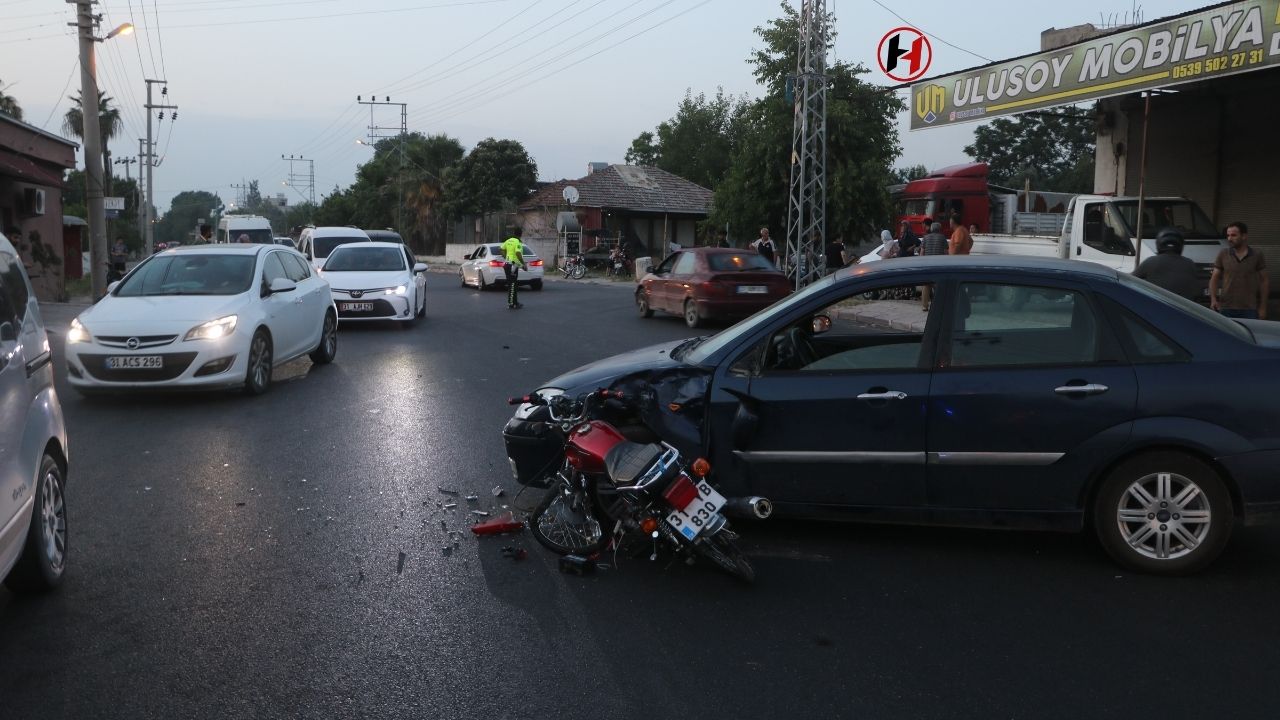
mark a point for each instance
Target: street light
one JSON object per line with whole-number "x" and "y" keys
{"x": 123, "y": 29}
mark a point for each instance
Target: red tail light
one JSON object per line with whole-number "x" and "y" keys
{"x": 711, "y": 287}
{"x": 535, "y": 263}
{"x": 497, "y": 263}
{"x": 681, "y": 493}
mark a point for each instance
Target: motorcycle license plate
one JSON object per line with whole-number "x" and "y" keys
{"x": 357, "y": 307}
{"x": 690, "y": 521}
{"x": 135, "y": 362}
{"x": 752, "y": 289}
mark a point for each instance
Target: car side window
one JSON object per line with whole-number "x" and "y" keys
{"x": 15, "y": 287}
{"x": 478, "y": 254}
{"x": 667, "y": 264}
{"x": 1007, "y": 325}
{"x": 294, "y": 267}
{"x": 1142, "y": 343}
{"x": 408, "y": 257}
{"x": 686, "y": 264}
{"x": 272, "y": 269}
{"x": 7, "y": 314}
{"x": 1103, "y": 231}
{"x": 876, "y": 329}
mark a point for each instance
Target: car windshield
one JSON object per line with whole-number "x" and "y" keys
{"x": 922, "y": 206}
{"x": 365, "y": 259}
{"x": 1184, "y": 215}
{"x": 190, "y": 274}
{"x": 736, "y": 262}
{"x": 325, "y": 245}
{"x": 1225, "y": 324}
{"x": 255, "y": 236}
{"x": 699, "y": 353}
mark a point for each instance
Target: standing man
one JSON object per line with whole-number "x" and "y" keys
{"x": 119, "y": 257}
{"x": 513, "y": 251}
{"x": 1240, "y": 272}
{"x": 764, "y": 246}
{"x": 835, "y": 254}
{"x": 1168, "y": 269}
{"x": 908, "y": 243}
{"x": 961, "y": 241}
{"x": 934, "y": 243}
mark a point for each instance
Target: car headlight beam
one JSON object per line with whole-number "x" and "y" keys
{"x": 77, "y": 333}
{"x": 213, "y": 330}
{"x": 398, "y": 290}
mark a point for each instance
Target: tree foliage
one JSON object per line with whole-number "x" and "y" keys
{"x": 697, "y": 143}
{"x": 9, "y": 104}
{"x": 186, "y": 209}
{"x": 110, "y": 124}
{"x": 862, "y": 144}
{"x": 1055, "y": 150}
{"x": 903, "y": 175}
{"x": 643, "y": 151}
{"x": 494, "y": 174}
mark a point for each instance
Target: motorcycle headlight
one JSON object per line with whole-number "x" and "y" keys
{"x": 77, "y": 333}
{"x": 213, "y": 329}
{"x": 398, "y": 290}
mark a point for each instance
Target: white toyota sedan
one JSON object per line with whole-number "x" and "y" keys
{"x": 205, "y": 316}
{"x": 376, "y": 281}
{"x": 483, "y": 268}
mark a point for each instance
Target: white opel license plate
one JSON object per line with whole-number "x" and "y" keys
{"x": 357, "y": 307}
{"x": 752, "y": 289}
{"x": 690, "y": 521}
{"x": 135, "y": 362}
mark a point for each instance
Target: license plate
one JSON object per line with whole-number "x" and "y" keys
{"x": 356, "y": 307}
{"x": 690, "y": 521}
{"x": 752, "y": 289}
{"x": 135, "y": 362}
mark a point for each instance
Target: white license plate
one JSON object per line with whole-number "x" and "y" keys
{"x": 752, "y": 289}
{"x": 357, "y": 307}
{"x": 135, "y": 362}
{"x": 690, "y": 521}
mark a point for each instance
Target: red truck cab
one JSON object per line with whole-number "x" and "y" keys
{"x": 962, "y": 188}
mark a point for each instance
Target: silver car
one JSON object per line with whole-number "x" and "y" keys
{"x": 33, "y": 440}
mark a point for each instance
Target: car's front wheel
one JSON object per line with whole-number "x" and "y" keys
{"x": 1164, "y": 513}
{"x": 642, "y": 304}
{"x": 692, "y": 317}
{"x": 327, "y": 350}
{"x": 257, "y": 377}
{"x": 44, "y": 555}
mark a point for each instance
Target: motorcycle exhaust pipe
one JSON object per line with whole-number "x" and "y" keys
{"x": 753, "y": 508}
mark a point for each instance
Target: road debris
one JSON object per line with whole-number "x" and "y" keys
{"x": 450, "y": 491}
{"x": 472, "y": 498}
{"x": 514, "y": 553}
{"x": 400, "y": 563}
{"x": 502, "y": 524}
{"x": 498, "y": 491}
{"x": 481, "y": 513}
{"x": 449, "y": 506}
{"x": 577, "y": 565}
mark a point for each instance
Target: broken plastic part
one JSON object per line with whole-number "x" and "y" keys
{"x": 472, "y": 498}
{"x": 497, "y": 491}
{"x": 501, "y": 524}
{"x": 449, "y": 506}
{"x": 481, "y": 513}
{"x": 450, "y": 491}
{"x": 576, "y": 565}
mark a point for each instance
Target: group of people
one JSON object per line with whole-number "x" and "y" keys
{"x": 1239, "y": 285}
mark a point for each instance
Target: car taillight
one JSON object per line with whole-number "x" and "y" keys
{"x": 710, "y": 287}
{"x": 681, "y": 493}
{"x": 535, "y": 263}
{"x": 497, "y": 263}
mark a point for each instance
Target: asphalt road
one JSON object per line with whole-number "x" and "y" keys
{"x": 239, "y": 557}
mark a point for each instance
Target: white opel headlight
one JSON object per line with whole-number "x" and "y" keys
{"x": 213, "y": 329}
{"x": 77, "y": 333}
{"x": 398, "y": 290}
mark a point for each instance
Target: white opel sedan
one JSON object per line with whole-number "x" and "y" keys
{"x": 206, "y": 316}
{"x": 376, "y": 281}
{"x": 483, "y": 268}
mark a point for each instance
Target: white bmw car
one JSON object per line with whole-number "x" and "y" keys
{"x": 376, "y": 281}
{"x": 483, "y": 268}
{"x": 205, "y": 316}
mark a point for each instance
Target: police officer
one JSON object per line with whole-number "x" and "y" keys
{"x": 1168, "y": 269}
{"x": 513, "y": 251}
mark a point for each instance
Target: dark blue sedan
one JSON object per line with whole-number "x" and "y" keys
{"x": 1030, "y": 393}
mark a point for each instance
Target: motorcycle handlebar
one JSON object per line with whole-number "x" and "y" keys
{"x": 602, "y": 393}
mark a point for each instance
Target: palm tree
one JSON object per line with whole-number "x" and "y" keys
{"x": 109, "y": 126}
{"x": 9, "y": 105}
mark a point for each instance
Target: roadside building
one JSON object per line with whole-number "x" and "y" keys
{"x": 32, "y": 165}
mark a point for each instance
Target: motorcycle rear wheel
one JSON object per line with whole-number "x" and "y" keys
{"x": 726, "y": 554}
{"x": 565, "y": 524}
{"x": 579, "y": 272}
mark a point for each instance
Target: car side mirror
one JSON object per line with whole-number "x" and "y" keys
{"x": 8, "y": 333}
{"x": 419, "y": 268}
{"x": 111, "y": 286}
{"x": 821, "y": 324}
{"x": 282, "y": 285}
{"x": 650, "y": 271}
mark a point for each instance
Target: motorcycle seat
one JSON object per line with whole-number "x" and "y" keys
{"x": 627, "y": 461}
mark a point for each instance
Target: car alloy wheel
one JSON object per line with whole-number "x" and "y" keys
{"x": 258, "y": 375}
{"x": 642, "y": 304}
{"x": 53, "y": 520}
{"x": 328, "y": 347}
{"x": 1164, "y": 516}
{"x": 691, "y": 316}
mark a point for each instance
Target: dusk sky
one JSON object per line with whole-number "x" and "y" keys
{"x": 574, "y": 80}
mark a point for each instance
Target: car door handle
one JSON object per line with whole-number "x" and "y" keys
{"x": 886, "y": 395}
{"x": 1089, "y": 389}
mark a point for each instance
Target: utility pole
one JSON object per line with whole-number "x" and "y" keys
{"x": 298, "y": 177}
{"x": 807, "y": 204}
{"x": 151, "y": 158}
{"x": 242, "y": 193}
{"x": 377, "y": 133}
{"x": 126, "y": 162}
{"x": 85, "y": 22}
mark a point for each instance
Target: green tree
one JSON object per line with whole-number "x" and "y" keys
{"x": 862, "y": 144}
{"x": 253, "y": 198}
{"x": 643, "y": 151}
{"x": 9, "y": 104}
{"x": 903, "y": 175}
{"x": 494, "y": 174}
{"x": 1055, "y": 150}
{"x": 109, "y": 126}
{"x": 187, "y": 207}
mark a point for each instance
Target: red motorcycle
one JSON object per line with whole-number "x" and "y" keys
{"x": 604, "y": 488}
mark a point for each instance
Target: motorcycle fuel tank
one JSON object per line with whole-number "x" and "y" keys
{"x": 589, "y": 443}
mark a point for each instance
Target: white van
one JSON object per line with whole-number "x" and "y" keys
{"x": 317, "y": 242}
{"x": 233, "y": 227}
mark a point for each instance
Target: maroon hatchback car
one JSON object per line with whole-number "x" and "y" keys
{"x": 711, "y": 284}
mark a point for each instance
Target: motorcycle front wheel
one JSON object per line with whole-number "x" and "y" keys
{"x": 564, "y": 523}
{"x": 579, "y": 272}
{"x": 726, "y": 554}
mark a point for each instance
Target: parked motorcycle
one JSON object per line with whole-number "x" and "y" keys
{"x": 575, "y": 267}
{"x": 604, "y": 488}
{"x": 619, "y": 264}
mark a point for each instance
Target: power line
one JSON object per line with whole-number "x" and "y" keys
{"x": 338, "y": 15}
{"x": 932, "y": 35}
{"x": 159, "y": 37}
{"x": 58, "y": 103}
{"x": 146, "y": 31}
